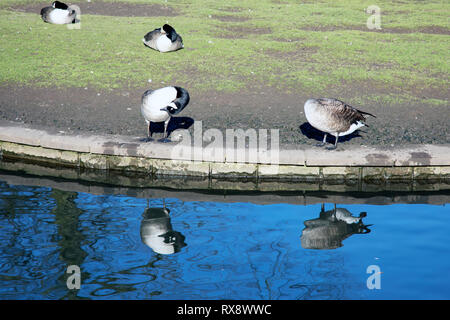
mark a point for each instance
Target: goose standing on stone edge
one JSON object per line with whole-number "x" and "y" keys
{"x": 163, "y": 39}
{"x": 58, "y": 13}
{"x": 334, "y": 117}
{"x": 161, "y": 104}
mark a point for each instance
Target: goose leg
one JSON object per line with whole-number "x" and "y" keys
{"x": 149, "y": 133}
{"x": 323, "y": 142}
{"x": 335, "y": 142}
{"x": 165, "y": 139}
{"x": 334, "y": 212}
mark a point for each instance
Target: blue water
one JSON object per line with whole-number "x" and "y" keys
{"x": 216, "y": 250}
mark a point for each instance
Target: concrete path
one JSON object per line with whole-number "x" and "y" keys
{"x": 128, "y": 153}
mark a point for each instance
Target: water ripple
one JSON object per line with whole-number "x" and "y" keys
{"x": 207, "y": 250}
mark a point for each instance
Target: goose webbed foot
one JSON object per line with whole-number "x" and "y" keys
{"x": 333, "y": 147}
{"x": 164, "y": 140}
{"x": 323, "y": 142}
{"x": 320, "y": 144}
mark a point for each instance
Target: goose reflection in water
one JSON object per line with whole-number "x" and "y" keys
{"x": 157, "y": 232}
{"x": 331, "y": 228}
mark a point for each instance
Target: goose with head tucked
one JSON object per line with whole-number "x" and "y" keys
{"x": 163, "y": 39}
{"x": 161, "y": 104}
{"x": 157, "y": 232}
{"x": 58, "y": 13}
{"x": 334, "y": 117}
{"x": 331, "y": 228}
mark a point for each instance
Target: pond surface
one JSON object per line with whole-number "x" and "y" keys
{"x": 137, "y": 248}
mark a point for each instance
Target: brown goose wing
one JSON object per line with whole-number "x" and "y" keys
{"x": 342, "y": 112}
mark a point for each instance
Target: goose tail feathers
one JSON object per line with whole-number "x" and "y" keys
{"x": 366, "y": 113}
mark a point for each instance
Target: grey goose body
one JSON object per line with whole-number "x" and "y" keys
{"x": 161, "y": 104}
{"x": 58, "y": 13}
{"x": 334, "y": 117}
{"x": 331, "y": 228}
{"x": 164, "y": 39}
{"x": 157, "y": 232}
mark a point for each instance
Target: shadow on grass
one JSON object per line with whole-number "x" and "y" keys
{"x": 312, "y": 133}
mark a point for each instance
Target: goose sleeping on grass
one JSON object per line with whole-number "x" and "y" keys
{"x": 163, "y": 39}
{"x": 58, "y": 13}
{"x": 334, "y": 117}
{"x": 161, "y": 104}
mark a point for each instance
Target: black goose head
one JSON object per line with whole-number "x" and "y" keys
{"x": 180, "y": 102}
{"x": 171, "y": 33}
{"x": 157, "y": 232}
{"x": 182, "y": 99}
{"x": 170, "y": 108}
{"x": 60, "y": 5}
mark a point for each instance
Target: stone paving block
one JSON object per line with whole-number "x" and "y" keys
{"x": 420, "y": 162}
{"x": 373, "y": 173}
{"x": 398, "y": 173}
{"x": 26, "y": 136}
{"x": 28, "y": 152}
{"x": 159, "y": 150}
{"x": 70, "y": 157}
{"x": 93, "y": 161}
{"x": 426, "y": 173}
{"x": 271, "y": 171}
{"x": 233, "y": 170}
{"x": 292, "y": 157}
{"x": 210, "y": 154}
{"x": 180, "y": 167}
{"x": 138, "y": 164}
{"x": 341, "y": 173}
{"x": 66, "y": 142}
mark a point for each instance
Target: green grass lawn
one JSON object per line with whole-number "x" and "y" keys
{"x": 289, "y": 45}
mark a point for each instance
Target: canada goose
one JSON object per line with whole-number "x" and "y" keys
{"x": 161, "y": 104}
{"x": 331, "y": 228}
{"x": 334, "y": 117}
{"x": 157, "y": 233}
{"x": 58, "y": 13}
{"x": 163, "y": 39}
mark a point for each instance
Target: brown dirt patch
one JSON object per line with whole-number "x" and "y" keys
{"x": 117, "y": 9}
{"x": 75, "y": 110}
{"x": 427, "y": 30}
